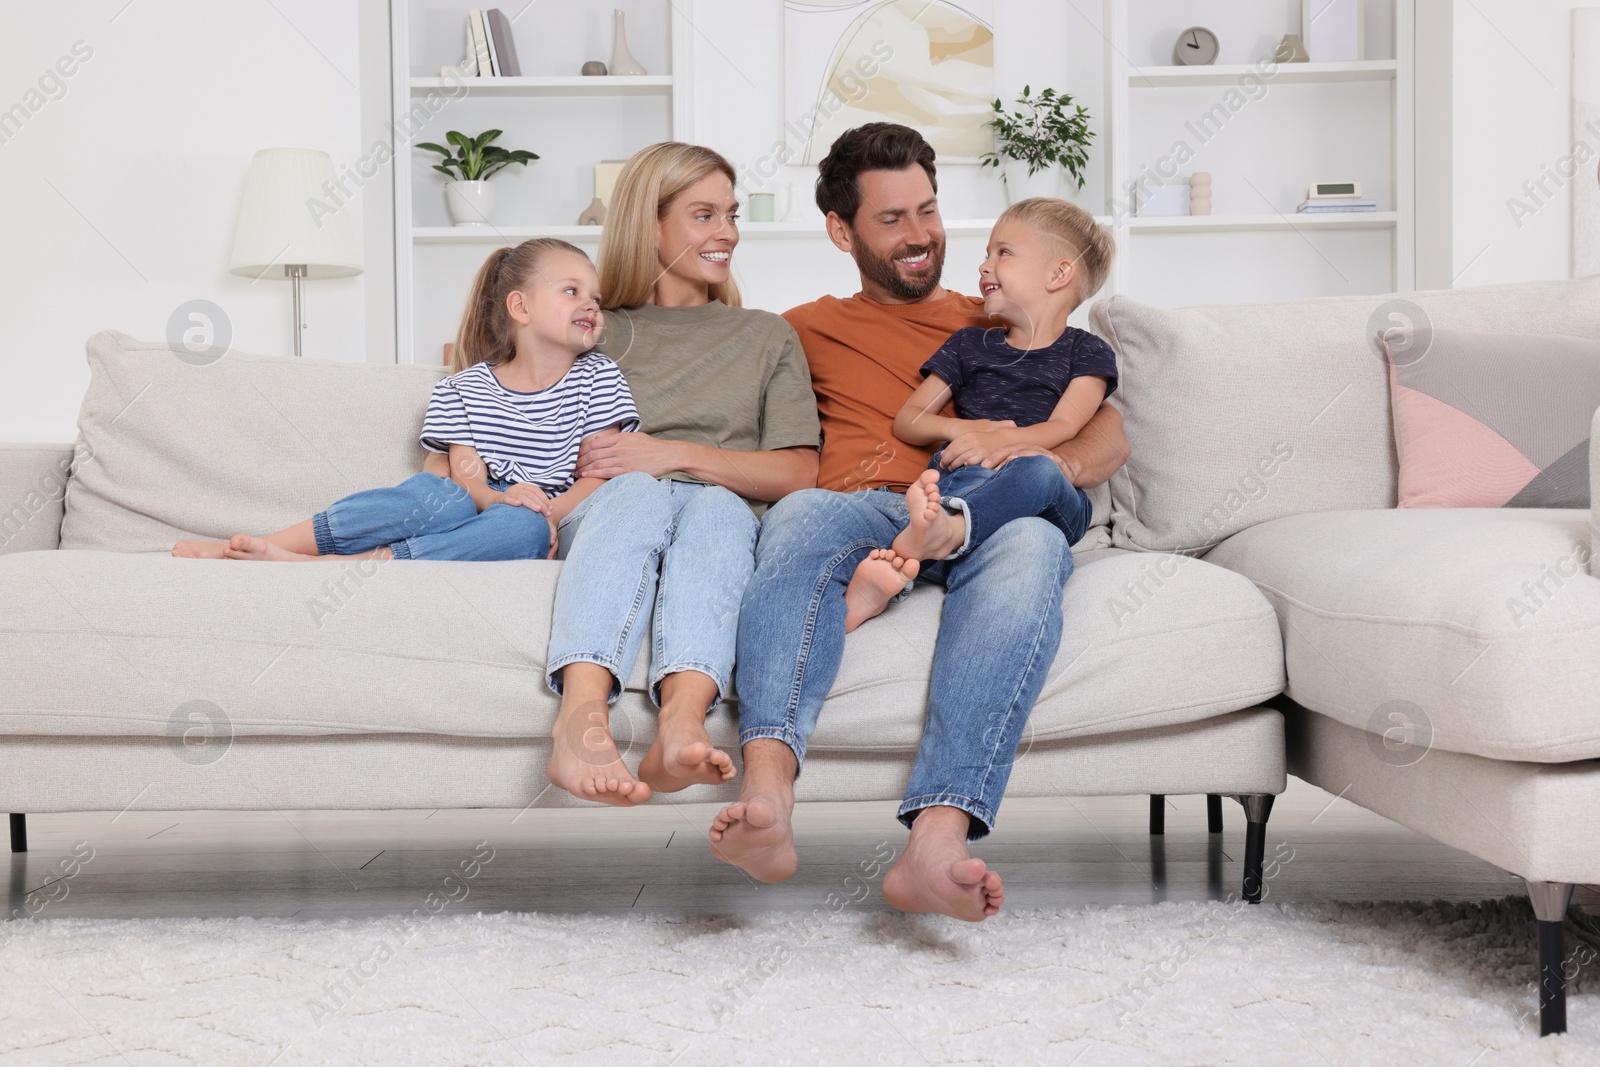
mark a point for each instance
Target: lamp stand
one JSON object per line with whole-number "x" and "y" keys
{"x": 296, "y": 271}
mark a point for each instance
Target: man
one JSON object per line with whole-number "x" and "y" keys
{"x": 1001, "y": 623}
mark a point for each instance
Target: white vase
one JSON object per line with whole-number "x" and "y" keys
{"x": 1020, "y": 185}
{"x": 622, "y": 61}
{"x": 469, "y": 202}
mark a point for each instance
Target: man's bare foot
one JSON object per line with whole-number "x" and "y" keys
{"x": 683, "y": 755}
{"x": 878, "y": 579}
{"x": 243, "y": 546}
{"x": 584, "y": 759}
{"x": 935, "y": 873}
{"x": 933, "y": 532}
{"x": 755, "y": 836}
{"x": 200, "y": 549}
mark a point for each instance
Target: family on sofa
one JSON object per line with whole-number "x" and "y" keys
{"x": 758, "y": 486}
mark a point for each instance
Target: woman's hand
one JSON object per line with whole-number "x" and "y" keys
{"x": 523, "y": 495}
{"x": 975, "y": 447}
{"x": 610, "y": 454}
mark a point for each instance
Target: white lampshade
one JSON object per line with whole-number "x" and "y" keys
{"x": 289, "y": 217}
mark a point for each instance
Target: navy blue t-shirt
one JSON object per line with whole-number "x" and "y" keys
{"x": 992, "y": 380}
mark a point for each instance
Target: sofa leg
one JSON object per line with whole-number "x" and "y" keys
{"x": 19, "y": 832}
{"x": 1550, "y": 900}
{"x": 1158, "y": 814}
{"x": 1257, "y": 807}
{"x": 1213, "y": 813}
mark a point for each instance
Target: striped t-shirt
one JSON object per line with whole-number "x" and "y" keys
{"x": 528, "y": 437}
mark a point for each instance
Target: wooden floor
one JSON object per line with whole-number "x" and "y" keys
{"x": 1052, "y": 853}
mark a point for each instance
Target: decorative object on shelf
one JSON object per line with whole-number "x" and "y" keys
{"x": 1195, "y": 47}
{"x": 1036, "y": 142}
{"x": 505, "y": 47}
{"x": 926, "y": 65}
{"x": 1200, "y": 193}
{"x": 594, "y": 69}
{"x": 763, "y": 207}
{"x": 594, "y": 214}
{"x": 480, "y": 43}
{"x": 622, "y": 61}
{"x": 605, "y": 181}
{"x": 1291, "y": 50}
{"x": 1325, "y": 198}
{"x": 1585, "y": 133}
{"x": 1163, "y": 199}
{"x": 1333, "y": 29}
{"x": 277, "y": 234}
{"x": 1330, "y": 190}
{"x": 794, "y": 210}
{"x": 477, "y": 159}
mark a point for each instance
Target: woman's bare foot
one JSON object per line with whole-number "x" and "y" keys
{"x": 584, "y": 760}
{"x": 243, "y": 546}
{"x": 683, "y": 755}
{"x": 200, "y": 549}
{"x": 935, "y": 873}
{"x": 878, "y": 579}
{"x": 932, "y": 532}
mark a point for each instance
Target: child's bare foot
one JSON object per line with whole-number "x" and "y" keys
{"x": 933, "y": 532}
{"x": 200, "y": 549}
{"x": 878, "y": 579}
{"x": 243, "y": 546}
{"x": 683, "y": 755}
{"x": 584, "y": 759}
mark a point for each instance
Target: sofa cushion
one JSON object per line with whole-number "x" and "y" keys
{"x": 109, "y": 644}
{"x": 169, "y": 449}
{"x": 1482, "y": 623}
{"x": 1244, "y": 413}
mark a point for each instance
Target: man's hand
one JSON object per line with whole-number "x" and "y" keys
{"x": 1006, "y": 453}
{"x": 523, "y": 495}
{"x": 610, "y": 454}
{"x": 973, "y": 448}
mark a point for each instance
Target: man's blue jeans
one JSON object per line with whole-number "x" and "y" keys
{"x": 1027, "y": 485}
{"x": 998, "y": 635}
{"x": 429, "y": 517}
{"x": 643, "y": 548}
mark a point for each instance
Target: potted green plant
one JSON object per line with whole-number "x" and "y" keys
{"x": 469, "y": 168}
{"x": 1037, "y": 141}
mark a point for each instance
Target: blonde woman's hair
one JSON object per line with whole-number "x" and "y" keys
{"x": 1093, "y": 246}
{"x": 487, "y": 334}
{"x": 646, "y": 188}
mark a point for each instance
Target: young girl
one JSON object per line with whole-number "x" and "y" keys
{"x": 526, "y": 392}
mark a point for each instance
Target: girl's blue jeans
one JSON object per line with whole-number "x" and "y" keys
{"x": 429, "y": 517}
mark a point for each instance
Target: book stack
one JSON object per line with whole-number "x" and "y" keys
{"x": 1323, "y": 205}
{"x": 491, "y": 53}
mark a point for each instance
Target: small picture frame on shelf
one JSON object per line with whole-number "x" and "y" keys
{"x": 1332, "y": 30}
{"x": 1162, "y": 199}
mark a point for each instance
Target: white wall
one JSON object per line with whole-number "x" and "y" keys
{"x": 118, "y": 196}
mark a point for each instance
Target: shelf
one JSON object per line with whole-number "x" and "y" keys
{"x": 1354, "y": 220}
{"x": 577, "y": 85}
{"x": 457, "y": 235}
{"x": 1286, "y": 74}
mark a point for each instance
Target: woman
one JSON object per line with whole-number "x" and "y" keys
{"x": 728, "y": 423}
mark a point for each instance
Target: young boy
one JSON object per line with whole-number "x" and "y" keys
{"x": 1031, "y": 381}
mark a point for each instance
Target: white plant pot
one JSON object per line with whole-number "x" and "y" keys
{"x": 470, "y": 202}
{"x": 1020, "y": 185}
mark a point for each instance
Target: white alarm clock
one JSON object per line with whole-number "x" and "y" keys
{"x": 1196, "y": 47}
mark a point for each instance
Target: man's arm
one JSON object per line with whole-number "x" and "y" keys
{"x": 1096, "y": 453}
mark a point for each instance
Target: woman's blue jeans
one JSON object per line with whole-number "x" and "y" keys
{"x": 429, "y": 517}
{"x": 675, "y": 555}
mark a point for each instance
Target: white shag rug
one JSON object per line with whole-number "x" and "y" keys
{"x": 1170, "y": 984}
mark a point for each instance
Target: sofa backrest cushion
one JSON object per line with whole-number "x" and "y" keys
{"x": 168, "y": 449}
{"x": 1243, "y": 413}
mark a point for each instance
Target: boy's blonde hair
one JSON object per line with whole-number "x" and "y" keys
{"x": 648, "y": 184}
{"x": 1092, "y": 244}
{"x": 487, "y": 334}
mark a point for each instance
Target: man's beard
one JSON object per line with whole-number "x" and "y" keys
{"x": 886, "y": 274}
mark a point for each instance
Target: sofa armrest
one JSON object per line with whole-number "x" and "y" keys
{"x": 1594, "y": 496}
{"x": 33, "y": 486}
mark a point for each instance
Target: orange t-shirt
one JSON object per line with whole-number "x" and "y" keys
{"x": 866, "y": 360}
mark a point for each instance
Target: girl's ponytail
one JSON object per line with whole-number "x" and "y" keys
{"x": 486, "y": 333}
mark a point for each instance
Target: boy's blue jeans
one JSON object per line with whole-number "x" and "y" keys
{"x": 658, "y": 555}
{"x": 429, "y": 517}
{"x": 998, "y": 635}
{"x": 1027, "y": 485}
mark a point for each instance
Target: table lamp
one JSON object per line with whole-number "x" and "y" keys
{"x": 292, "y": 218}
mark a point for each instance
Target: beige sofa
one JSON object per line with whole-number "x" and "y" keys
{"x": 135, "y": 679}
{"x": 1262, "y": 442}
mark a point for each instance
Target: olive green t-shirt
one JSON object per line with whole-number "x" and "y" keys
{"x": 715, "y": 375}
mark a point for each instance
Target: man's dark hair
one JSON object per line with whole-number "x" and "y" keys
{"x": 875, "y": 146}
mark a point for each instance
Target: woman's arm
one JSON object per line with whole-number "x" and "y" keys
{"x": 769, "y": 475}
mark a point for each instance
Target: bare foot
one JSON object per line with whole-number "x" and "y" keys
{"x": 935, "y": 874}
{"x": 755, "y": 836}
{"x": 933, "y": 532}
{"x": 878, "y": 579}
{"x": 200, "y": 549}
{"x": 584, "y": 760}
{"x": 243, "y": 546}
{"x": 683, "y": 755}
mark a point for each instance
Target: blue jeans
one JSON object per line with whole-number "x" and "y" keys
{"x": 429, "y": 517}
{"x": 1027, "y": 485}
{"x": 642, "y": 548}
{"x": 998, "y": 635}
